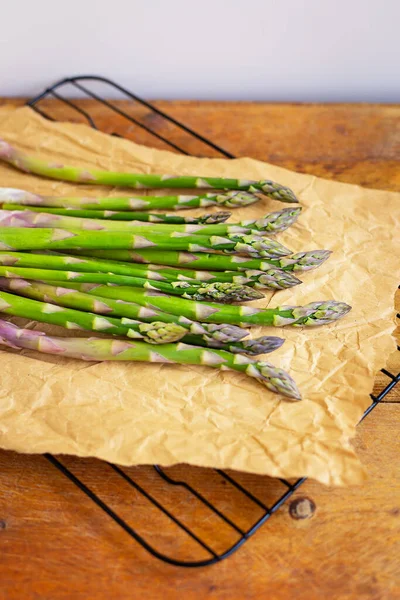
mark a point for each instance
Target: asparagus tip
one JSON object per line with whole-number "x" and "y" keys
{"x": 277, "y": 221}
{"x": 262, "y": 345}
{"x": 213, "y": 218}
{"x": 277, "y": 380}
{"x": 224, "y": 333}
{"x": 236, "y": 199}
{"x": 277, "y": 191}
{"x": 259, "y": 246}
{"x": 276, "y": 279}
{"x": 305, "y": 261}
{"x": 320, "y": 313}
{"x": 161, "y": 333}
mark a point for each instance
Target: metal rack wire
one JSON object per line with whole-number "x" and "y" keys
{"x": 165, "y": 131}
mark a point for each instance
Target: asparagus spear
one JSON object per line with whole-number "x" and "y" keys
{"x": 302, "y": 261}
{"x": 272, "y": 278}
{"x": 272, "y": 223}
{"x": 153, "y": 333}
{"x": 30, "y": 164}
{"x": 200, "y": 333}
{"x": 322, "y": 312}
{"x": 222, "y": 292}
{"x": 95, "y": 349}
{"x": 208, "y": 219}
{"x": 16, "y": 238}
{"x": 226, "y": 200}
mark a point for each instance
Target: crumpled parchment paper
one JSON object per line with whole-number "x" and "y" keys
{"x": 134, "y": 413}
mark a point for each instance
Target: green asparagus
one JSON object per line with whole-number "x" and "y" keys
{"x": 302, "y": 261}
{"x": 272, "y": 223}
{"x": 275, "y": 379}
{"x": 152, "y": 333}
{"x": 30, "y": 164}
{"x": 226, "y": 200}
{"x": 208, "y": 219}
{"x": 16, "y": 238}
{"x": 322, "y": 312}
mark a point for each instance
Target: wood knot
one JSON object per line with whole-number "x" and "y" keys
{"x": 3, "y": 524}
{"x": 302, "y": 508}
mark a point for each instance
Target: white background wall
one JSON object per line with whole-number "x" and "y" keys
{"x": 295, "y": 50}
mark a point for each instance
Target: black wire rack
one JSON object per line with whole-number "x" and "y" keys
{"x": 146, "y": 119}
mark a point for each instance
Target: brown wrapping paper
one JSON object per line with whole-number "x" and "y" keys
{"x": 140, "y": 413}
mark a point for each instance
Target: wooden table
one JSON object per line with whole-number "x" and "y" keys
{"x": 55, "y": 544}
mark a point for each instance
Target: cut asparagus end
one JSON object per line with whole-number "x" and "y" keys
{"x": 161, "y": 333}
{"x": 224, "y": 292}
{"x": 277, "y": 191}
{"x": 277, "y": 380}
{"x": 213, "y": 218}
{"x": 10, "y": 194}
{"x": 261, "y": 345}
{"x": 6, "y": 150}
{"x": 279, "y": 221}
{"x": 235, "y": 199}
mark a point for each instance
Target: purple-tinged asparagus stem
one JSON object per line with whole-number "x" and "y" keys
{"x": 96, "y": 349}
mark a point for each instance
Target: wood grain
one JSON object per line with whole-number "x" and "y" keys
{"x": 325, "y": 543}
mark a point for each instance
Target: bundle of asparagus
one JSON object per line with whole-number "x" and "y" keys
{"x": 154, "y": 327}
{"x": 193, "y": 290}
{"x": 98, "y": 264}
{"x": 124, "y": 301}
{"x": 271, "y": 278}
